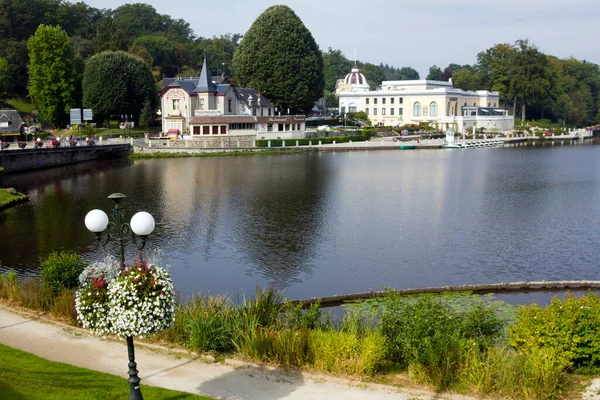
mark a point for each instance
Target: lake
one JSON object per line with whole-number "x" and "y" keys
{"x": 320, "y": 224}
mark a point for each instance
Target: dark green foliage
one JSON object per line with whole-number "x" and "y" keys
{"x": 61, "y": 270}
{"x": 117, "y": 83}
{"x": 279, "y": 57}
{"x": 146, "y": 115}
{"x": 305, "y": 142}
{"x": 569, "y": 325}
{"x": 51, "y": 74}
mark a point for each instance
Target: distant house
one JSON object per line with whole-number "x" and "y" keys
{"x": 11, "y": 125}
{"x": 203, "y": 109}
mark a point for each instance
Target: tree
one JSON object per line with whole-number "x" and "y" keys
{"x": 335, "y": 66}
{"x": 529, "y": 78}
{"x": 3, "y": 77}
{"x": 434, "y": 73}
{"x": 373, "y": 73}
{"x": 51, "y": 73}
{"x": 146, "y": 115}
{"x": 279, "y": 57}
{"x": 162, "y": 51}
{"x": 408, "y": 74}
{"x": 116, "y": 83}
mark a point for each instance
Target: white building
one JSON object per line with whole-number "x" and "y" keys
{"x": 397, "y": 103}
{"x": 200, "y": 108}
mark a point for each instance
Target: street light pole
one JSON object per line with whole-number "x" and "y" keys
{"x": 141, "y": 225}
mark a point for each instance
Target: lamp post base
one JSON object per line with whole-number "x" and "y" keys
{"x": 135, "y": 392}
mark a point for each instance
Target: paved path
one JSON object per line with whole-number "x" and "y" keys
{"x": 159, "y": 367}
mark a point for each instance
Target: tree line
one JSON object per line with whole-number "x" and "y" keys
{"x": 530, "y": 83}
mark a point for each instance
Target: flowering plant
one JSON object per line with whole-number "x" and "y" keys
{"x": 142, "y": 300}
{"x": 134, "y": 301}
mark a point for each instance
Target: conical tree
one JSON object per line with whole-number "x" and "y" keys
{"x": 279, "y": 57}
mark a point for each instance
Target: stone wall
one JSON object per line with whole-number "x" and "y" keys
{"x": 28, "y": 159}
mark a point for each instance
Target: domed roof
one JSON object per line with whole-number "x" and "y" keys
{"x": 356, "y": 80}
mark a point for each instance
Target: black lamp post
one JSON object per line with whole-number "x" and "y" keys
{"x": 141, "y": 225}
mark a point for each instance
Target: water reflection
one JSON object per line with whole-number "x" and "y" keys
{"x": 333, "y": 223}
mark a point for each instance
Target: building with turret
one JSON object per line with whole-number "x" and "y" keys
{"x": 200, "y": 108}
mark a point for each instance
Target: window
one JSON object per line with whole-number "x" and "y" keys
{"x": 196, "y": 130}
{"x": 215, "y": 130}
{"x": 400, "y": 111}
{"x": 223, "y": 129}
{"x": 269, "y": 112}
{"x": 374, "y": 101}
{"x": 383, "y": 111}
{"x": 352, "y": 109}
{"x": 425, "y": 112}
{"x": 400, "y": 100}
{"x": 392, "y": 110}
{"x": 229, "y": 104}
{"x": 367, "y": 110}
{"x": 206, "y": 130}
{"x": 175, "y": 104}
{"x": 417, "y": 109}
{"x": 392, "y": 100}
{"x": 433, "y": 109}
{"x": 254, "y": 111}
{"x": 343, "y": 110}
{"x": 262, "y": 111}
{"x": 383, "y": 101}
{"x": 269, "y": 127}
{"x": 367, "y": 100}
{"x": 374, "y": 111}
{"x": 474, "y": 104}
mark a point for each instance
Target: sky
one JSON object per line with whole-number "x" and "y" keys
{"x": 417, "y": 33}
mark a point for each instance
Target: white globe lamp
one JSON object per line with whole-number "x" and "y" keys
{"x": 142, "y": 223}
{"x": 96, "y": 221}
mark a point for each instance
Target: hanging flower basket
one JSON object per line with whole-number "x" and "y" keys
{"x": 137, "y": 300}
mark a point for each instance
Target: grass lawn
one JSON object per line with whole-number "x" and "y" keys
{"x": 5, "y": 197}
{"x": 21, "y": 105}
{"x": 25, "y": 376}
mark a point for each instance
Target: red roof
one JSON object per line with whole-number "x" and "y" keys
{"x": 224, "y": 119}
{"x": 173, "y": 131}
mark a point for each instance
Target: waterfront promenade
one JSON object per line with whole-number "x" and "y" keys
{"x": 187, "y": 372}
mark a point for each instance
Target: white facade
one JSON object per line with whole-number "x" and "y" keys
{"x": 397, "y": 103}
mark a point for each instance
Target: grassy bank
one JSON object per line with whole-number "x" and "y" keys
{"x": 454, "y": 343}
{"x": 212, "y": 154}
{"x": 6, "y": 198}
{"x": 25, "y": 376}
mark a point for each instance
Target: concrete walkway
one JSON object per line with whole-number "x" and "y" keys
{"x": 160, "y": 367}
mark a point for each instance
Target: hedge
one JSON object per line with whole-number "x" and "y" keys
{"x": 305, "y": 142}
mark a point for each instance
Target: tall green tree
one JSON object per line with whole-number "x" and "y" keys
{"x": 335, "y": 66}
{"x": 117, "y": 83}
{"x": 280, "y": 57}
{"x": 51, "y": 73}
{"x": 530, "y": 79}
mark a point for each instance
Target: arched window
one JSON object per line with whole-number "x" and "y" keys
{"x": 433, "y": 109}
{"x": 417, "y": 109}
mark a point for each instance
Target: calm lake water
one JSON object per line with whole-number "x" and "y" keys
{"x": 320, "y": 224}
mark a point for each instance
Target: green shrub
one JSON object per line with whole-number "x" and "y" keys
{"x": 411, "y": 326}
{"x": 206, "y": 323}
{"x": 296, "y": 318}
{"x": 569, "y": 325}
{"x": 61, "y": 270}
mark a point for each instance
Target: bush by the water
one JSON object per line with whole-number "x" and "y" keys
{"x": 61, "y": 270}
{"x": 570, "y": 325}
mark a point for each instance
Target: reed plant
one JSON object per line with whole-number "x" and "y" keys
{"x": 63, "y": 306}
{"x": 346, "y": 352}
{"x": 538, "y": 374}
